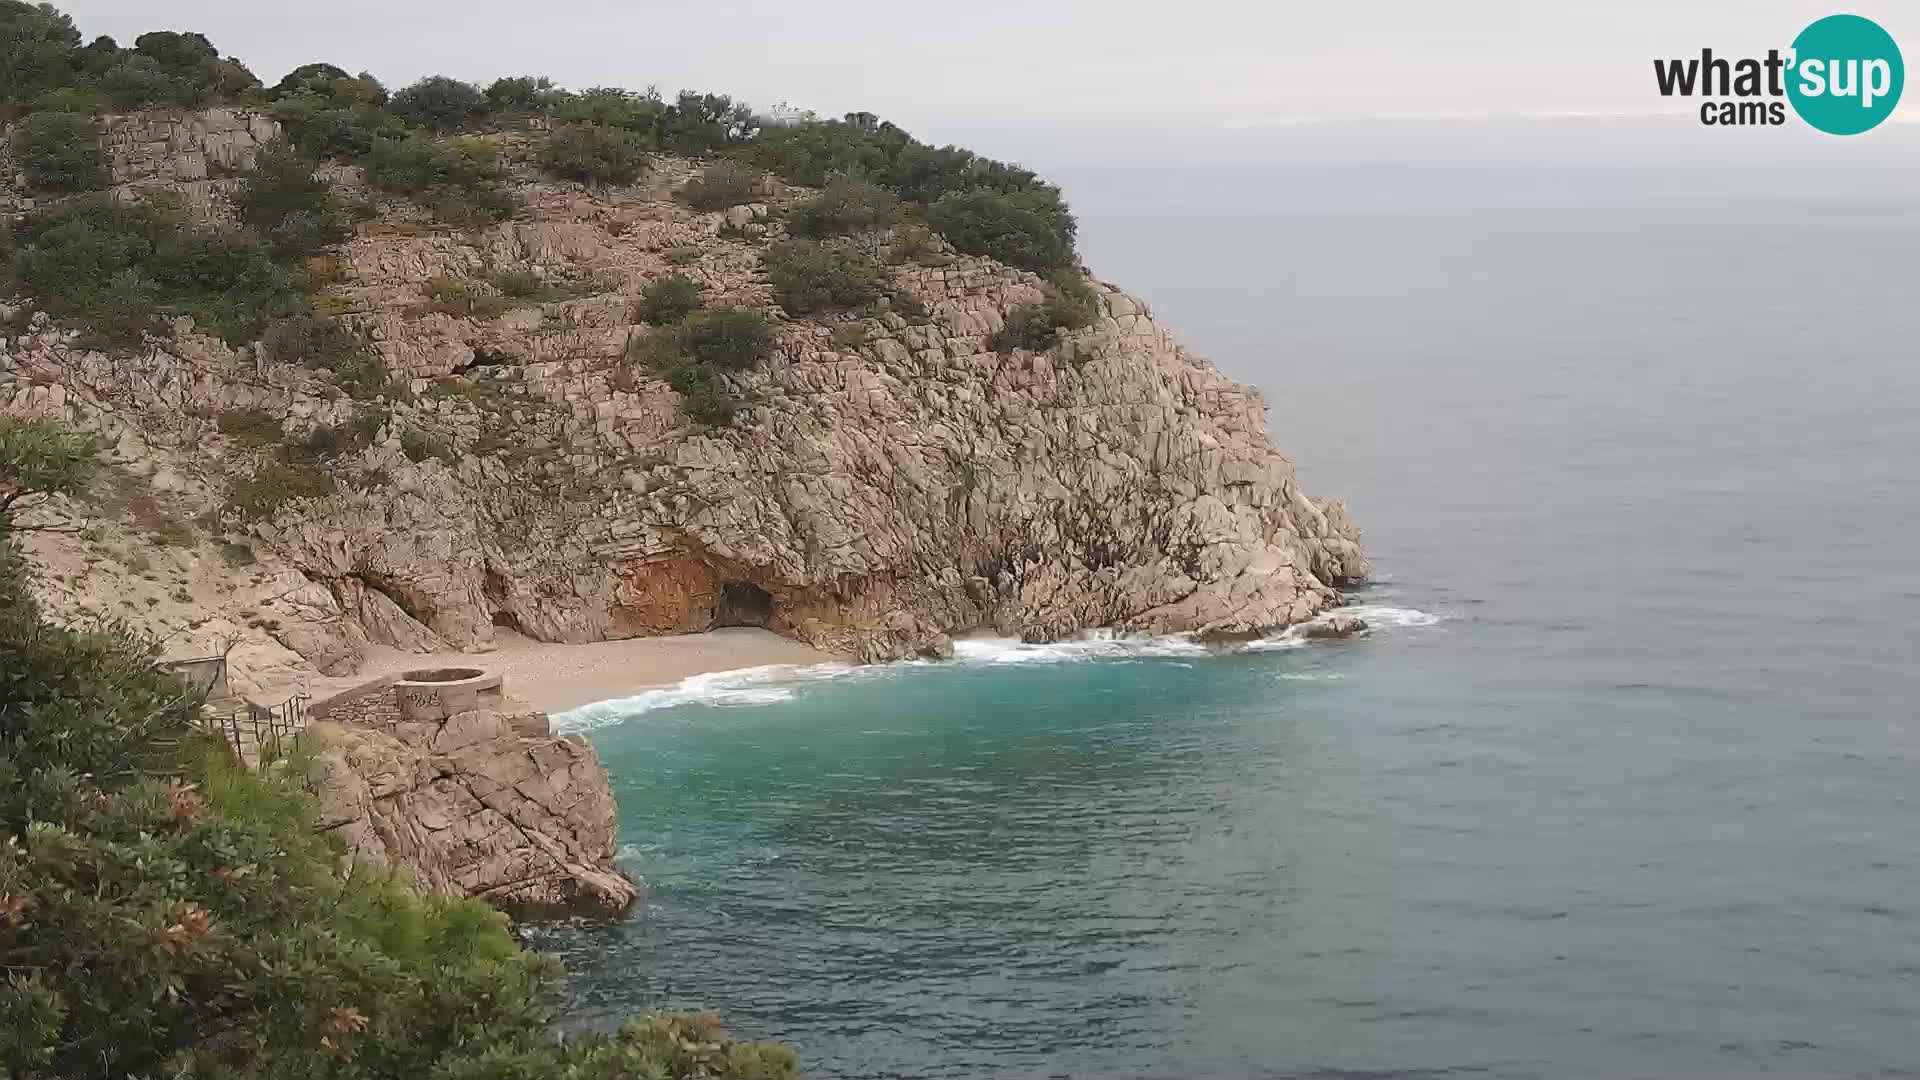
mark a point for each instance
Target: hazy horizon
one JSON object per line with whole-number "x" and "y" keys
{"x": 1209, "y": 64}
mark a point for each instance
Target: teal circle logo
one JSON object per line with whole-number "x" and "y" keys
{"x": 1847, "y": 75}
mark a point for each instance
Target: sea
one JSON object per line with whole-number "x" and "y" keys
{"x": 1624, "y": 781}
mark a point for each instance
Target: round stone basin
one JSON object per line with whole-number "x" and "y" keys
{"x": 434, "y": 694}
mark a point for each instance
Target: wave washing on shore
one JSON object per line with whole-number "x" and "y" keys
{"x": 772, "y": 684}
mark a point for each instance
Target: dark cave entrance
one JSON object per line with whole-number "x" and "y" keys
{"x": 742, "y": 603}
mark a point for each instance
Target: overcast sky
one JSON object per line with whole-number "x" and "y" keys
{"x": 1030, "y": 63}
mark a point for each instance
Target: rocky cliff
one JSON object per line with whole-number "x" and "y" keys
{"x": 482, "y": 803}
{"x": 890, "y": 480}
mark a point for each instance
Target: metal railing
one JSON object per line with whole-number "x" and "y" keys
{"x": 262, "y": 733}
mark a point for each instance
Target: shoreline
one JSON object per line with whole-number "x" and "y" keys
{"x": 555, "y": 677}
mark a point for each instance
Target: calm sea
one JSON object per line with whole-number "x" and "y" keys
{"x": 1625, "y": 782}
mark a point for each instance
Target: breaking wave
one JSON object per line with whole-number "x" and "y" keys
{"x": 767, "y": 685}
{"x": 775, "y": 683}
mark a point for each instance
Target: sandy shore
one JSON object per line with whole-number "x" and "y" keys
{"x": 554, "y": 678}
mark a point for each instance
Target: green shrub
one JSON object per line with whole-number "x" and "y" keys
{"x": 40, "y": 46}
{"x": 658, "y": 350}
{"x": 915, "y": 243}
{"x": 811, "y": 153}
{"x": 731, "y": 338}
{"x": 60, "y": 153}
{"x": 71, "y": 99}
{"x": 325, "y": 345}
{"x": 719, "y": 186}
{"x": 308, "y": 341}
{"x": 1029, "y": 326}
{"x": 439, "y": 104}
{"x": 295, "y": 210}
{"x": 847, "y": 205}
{"x": 810, "y": 276}
{"x": 140, "y": 82}
{"x": 237, "y": 554}
{"x": 1037, "y": 326}
{"x": 118, "y": 269}
{"x": 704, "y": 394}
{"x": 419, "y": 446}
{"x": 522, "y": 93}
{"x": 324, "y": 443}
{"x": 460, "y": 180}
{"x": 668, "y": 300}
{"x": 682, "y": 256}
{"x": 697, "y": 125}
{"x": 593, "y": 154}
{"x": 250, "y": 427}
{"x": 1029, "y": 230}
{"x": 1072, "y": 303}
{"x": 277, "y": 481}
{"x": 339, "y": 132}
{"x": 610, "y": 106}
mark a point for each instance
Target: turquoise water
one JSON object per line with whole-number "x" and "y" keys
{"x": 1625, "y": 782}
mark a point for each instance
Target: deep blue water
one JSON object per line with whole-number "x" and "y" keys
{"x": 1645, "y": 800}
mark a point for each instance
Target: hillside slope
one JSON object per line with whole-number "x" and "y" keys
{"x": 890, "y": 479}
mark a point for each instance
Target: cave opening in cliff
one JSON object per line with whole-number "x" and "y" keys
{"x": 742, "y": 603}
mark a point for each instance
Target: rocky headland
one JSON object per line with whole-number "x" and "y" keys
{"x": 893, "y": 475}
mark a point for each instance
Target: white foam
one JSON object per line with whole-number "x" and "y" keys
{"x": 742, "y": 686}
{"x": 775, "y": 683}
{"x": 1092, "y": 645}
{"x": 1378, "y": 615}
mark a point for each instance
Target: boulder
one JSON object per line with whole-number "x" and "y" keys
{"x": 477, "y": 805}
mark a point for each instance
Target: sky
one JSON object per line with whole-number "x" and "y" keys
{"x": 1036, "y": 65}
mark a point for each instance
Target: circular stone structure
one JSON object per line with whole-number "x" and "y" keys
{"x": 431, "y": 695}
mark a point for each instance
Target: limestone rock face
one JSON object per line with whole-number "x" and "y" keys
{"x": 483, "y": 805}
{"x": 890, "y": 480}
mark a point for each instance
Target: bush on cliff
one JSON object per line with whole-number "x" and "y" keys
{"x": 520, "y": 94}
{"x": 1069, "y": 306}
{"x": 1031, "y": 230}
{"x": 668, "y": 300}
{"x": 460, "y": 180}
{"x": 117, "y": 270}
{"x": 704, "y": 394}
{"x": 325, "y": 345}
{"x": 60, "y": 153}
{"x": 810, "y": 276}
{"x": 719, "y": 186}
{"x": 44, "y": 66}
{"x": 730, "y": 338}
{"x": 698, "y": 125}
{"x": 982, "y": 206}
{"x": 294, "y": 210}
{"x": 848, "y": 204}
{"x": 164, "y": 912}
{"x": 439, "y": 104}
{"x": 594, "y": 154}
{"x": 335, "y": 131}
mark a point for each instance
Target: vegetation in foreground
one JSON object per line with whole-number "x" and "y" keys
{"x": 165, "y": 913}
